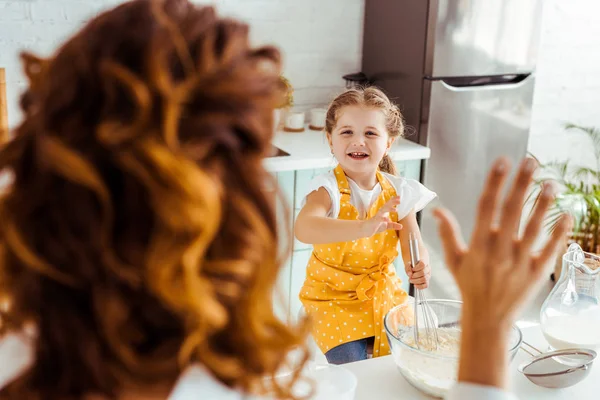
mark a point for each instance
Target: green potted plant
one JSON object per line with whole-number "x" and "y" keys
{"x": 286, "y": 103}
{"x": 578, "y": 195}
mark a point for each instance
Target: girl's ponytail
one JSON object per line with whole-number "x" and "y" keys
{"x": 387, "y": 165}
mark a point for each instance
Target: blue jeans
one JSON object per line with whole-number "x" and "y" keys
{"x": 349, "y": 352}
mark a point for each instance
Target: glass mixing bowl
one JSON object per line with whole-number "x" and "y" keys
{"x": 433, "y": 374}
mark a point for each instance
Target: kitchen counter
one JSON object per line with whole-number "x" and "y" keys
{"x": 309, "y": 150}
{"x": 380, "y": 379}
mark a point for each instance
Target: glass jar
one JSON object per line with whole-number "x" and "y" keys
{"x": 570, "y": 315}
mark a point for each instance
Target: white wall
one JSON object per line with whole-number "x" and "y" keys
{"x": 320, "y": 39}
{"x": 568, "y": 80}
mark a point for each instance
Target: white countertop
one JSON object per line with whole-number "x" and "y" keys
{"x": 380, "y": 379}
{"x": 309, "y": 150}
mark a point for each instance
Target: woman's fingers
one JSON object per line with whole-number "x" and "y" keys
{"x": 556, "y": 241}
{"x": 513, "y": 206}
{"x": 488, "y": 201}
{"x": 534, "y": 225}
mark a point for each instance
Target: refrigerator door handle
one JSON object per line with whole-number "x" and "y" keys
{"x": 497, "y": 82}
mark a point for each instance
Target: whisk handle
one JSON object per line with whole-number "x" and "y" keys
{"x": 413, "y": 245}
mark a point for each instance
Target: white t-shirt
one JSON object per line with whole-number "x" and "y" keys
{"x": 196, "y": 382}
{"x": 413, "y": 195}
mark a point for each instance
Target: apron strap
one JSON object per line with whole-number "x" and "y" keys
{"x": 384, "y": 182}
{"x": 342, "y": 183}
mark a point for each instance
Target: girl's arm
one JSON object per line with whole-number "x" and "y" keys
{"x": 314, "y": 227}
{"x": 420, "y": 275}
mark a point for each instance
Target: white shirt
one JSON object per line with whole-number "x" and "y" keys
{"x": 16, "y": 355}
{"x": 413, "y": 195}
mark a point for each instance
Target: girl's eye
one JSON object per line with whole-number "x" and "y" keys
{"x": 347, "y": 132}
{"x": 371, "y": 133}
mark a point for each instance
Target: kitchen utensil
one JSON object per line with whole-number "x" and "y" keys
{"x": 570, "y": 315}
{"x": 294, "y": 121}
{"x": 356, "y": 80}
{"x": 557, "y": 369}
{"x": 432, "y": 372}
{"x": 425, "y": 324}
{"x": 317, "y": 119}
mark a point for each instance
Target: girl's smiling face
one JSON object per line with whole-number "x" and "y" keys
{"x": 359, "y": 139}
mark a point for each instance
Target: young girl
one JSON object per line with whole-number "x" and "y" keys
{"x": 355, "y": 215}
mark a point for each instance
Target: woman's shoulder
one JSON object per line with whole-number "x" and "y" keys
{"x": 16, "y": 356}
{"x": 197, "y": 379}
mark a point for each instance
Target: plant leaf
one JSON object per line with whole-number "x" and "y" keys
{"x": 592, "y": 133}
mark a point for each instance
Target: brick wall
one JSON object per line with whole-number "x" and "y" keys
{"x": 321, "y": 40}
{"x": 568, "y": 80}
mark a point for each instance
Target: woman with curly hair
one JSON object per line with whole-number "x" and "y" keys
{"x": 138, "y": 249}
{"x": 137, "y": 245}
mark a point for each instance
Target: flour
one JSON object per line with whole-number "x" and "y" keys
{"x": 432, "y": 374}
{"x": 448, "y": 342}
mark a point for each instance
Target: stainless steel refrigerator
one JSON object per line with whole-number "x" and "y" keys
{"x": 463, "y": 72}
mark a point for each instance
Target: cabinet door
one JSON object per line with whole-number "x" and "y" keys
{"x": 281, "y": 299}
{"x": 281, "y": 293}
{"x": 401, "y": 168}
{"x": 303, "y": 178}
{"x": 412, "y": 169}
{"x": 298, "y": 275}
{"x": 399, "y": 266}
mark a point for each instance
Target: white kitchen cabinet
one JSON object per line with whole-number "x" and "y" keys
{"x": 298, "y": 275}
{"x": 285, "y": 181}
{"x": 298, "y": 245}
{"x": 303, "y": 179}
{"x": 399, "y": 265}
{"x": 412, "y": 169}
{"x": 281, "y": 294}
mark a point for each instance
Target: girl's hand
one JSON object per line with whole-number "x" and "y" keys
{"x": 420, "y": 275}
{"x": 381, "y": 222}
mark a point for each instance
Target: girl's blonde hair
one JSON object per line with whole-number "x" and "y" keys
{"x": 371, "y": 97}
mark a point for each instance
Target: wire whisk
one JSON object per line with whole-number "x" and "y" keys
{"x": 431, "y": 340}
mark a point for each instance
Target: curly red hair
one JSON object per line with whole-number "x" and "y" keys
{"x": 136, "y": 234}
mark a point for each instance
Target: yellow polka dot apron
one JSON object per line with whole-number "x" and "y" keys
{"x": 350, "y": 286}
